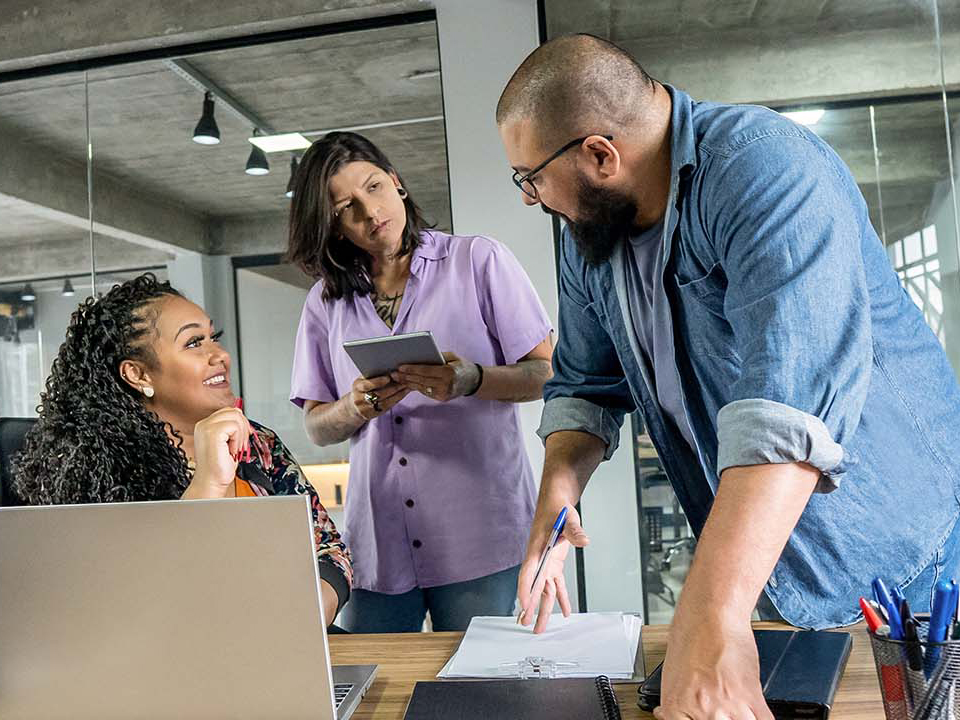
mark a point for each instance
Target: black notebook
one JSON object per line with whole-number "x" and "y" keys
{"x": 581, "y": 698}
{"x": 799, "y": 672}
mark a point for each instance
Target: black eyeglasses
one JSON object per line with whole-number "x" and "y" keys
{"x": 525, "y": 183}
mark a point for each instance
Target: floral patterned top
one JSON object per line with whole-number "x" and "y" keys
{"x": 273, "y": 471}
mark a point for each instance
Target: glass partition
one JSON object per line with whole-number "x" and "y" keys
{"x": 44, "y": 229}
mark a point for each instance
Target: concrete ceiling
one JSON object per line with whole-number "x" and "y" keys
{"x": 142, "y": 118}
{"x": 783, "y": 52}
{"x": 157, "y": 193}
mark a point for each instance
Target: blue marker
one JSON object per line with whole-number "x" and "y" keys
{"x": 891, "y": 609}
{"x": 898, "y": 598}
{"x": 940, "y": 617}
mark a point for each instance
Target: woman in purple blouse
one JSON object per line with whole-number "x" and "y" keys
{"x": 441, "y": 492}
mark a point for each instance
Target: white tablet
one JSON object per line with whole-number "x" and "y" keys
{"x": 382, "y": 355}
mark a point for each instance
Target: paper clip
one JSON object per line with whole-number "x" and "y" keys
{"x": 534, "y": 666}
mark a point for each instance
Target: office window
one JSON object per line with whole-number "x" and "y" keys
{"x": 917, "y": 263}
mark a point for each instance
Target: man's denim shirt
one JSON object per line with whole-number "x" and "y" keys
{"x": 794, "y": 342}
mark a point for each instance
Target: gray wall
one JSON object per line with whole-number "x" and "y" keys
{"x": 478, "y": 53}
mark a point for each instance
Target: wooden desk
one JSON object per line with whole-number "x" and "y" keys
{"x": 405, "y": 659}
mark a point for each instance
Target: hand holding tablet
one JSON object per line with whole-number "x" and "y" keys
{"x": 379, "y": 356}
{"x": 415, "y": 362}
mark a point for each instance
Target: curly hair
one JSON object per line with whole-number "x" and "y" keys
{"x": 94, "y": 440}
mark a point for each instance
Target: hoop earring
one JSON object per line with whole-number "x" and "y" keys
{"x": 402, "y": 193}
{"x": 148, "y": 391}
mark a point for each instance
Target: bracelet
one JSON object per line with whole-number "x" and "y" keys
{"x": 479, "y": 382}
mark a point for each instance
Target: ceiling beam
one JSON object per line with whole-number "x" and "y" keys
{"x": 775, "y": 67}
{"x": 66, "y": 257}
{"x": 40, "y": 182}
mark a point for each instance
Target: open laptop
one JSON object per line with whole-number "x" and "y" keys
{"x": 199, "y": 609}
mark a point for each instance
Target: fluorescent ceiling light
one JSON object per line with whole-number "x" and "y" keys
{"x": 805, "y": 117}
{"x": 285, "y": 142}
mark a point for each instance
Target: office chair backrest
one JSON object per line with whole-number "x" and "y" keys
{"x": 13, "y": 431}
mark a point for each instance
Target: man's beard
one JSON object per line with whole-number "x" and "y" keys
{"x": 608, "y": 218}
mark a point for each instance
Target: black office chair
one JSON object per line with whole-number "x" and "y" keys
{"x": 13, "y": 431}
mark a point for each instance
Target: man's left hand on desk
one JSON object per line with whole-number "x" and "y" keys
{"x": 711, "y": 672}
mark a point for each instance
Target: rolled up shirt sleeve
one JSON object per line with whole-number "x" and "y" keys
{"x": 798, "y": 305}
{"x": 588, "y": 391}
{"x": 760, "y": 432}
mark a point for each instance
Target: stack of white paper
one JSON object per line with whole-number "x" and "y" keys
{"x": 599, "y": 644}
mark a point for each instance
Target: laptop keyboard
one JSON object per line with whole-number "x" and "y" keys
{"x": 340, "y": 692}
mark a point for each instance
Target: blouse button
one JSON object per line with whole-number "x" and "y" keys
{"x": 409, "y": 503}
{"x": 398, "y": 420}
{"x": 403, "y": 461}
{"x": 417, "y": 543}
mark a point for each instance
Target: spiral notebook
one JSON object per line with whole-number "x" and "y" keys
{"x": 581, "y": 698}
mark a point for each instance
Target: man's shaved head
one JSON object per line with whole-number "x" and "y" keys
{"x": 575, "y": 85}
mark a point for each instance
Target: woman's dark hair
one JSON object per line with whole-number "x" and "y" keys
{"x": 315, "y": 245}
{"x": 94, "y": 440}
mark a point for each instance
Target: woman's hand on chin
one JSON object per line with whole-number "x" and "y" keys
{"x": 219, "y": 442}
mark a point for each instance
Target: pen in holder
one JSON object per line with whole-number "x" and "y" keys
{"x": 918, "y": 678}
{"x": 536, "y": 667}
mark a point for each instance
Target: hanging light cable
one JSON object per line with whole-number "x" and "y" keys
{"x": 206, "y": 132}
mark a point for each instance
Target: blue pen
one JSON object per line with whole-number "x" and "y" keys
{"x": 551, "y": 542}
{"x": 554, "y": 536}
{"x": 940, "y": 615}
{"x": 893, "y": 612}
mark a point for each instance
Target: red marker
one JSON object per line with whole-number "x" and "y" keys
{"x": 870, "y": 615}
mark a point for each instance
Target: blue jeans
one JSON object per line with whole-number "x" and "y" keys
{"x": 451, "y": 606}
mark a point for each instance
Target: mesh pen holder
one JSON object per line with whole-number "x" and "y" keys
{"x": 918, "y": 681}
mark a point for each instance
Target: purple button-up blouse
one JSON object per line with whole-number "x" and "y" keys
{"x": 439, "y": 492}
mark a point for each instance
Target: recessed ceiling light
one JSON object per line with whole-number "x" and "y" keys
{"x": 284, "y": 142}
{"x": 805, "y": 117}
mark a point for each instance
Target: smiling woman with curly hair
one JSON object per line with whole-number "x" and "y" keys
{"x": 138, "y": 406}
